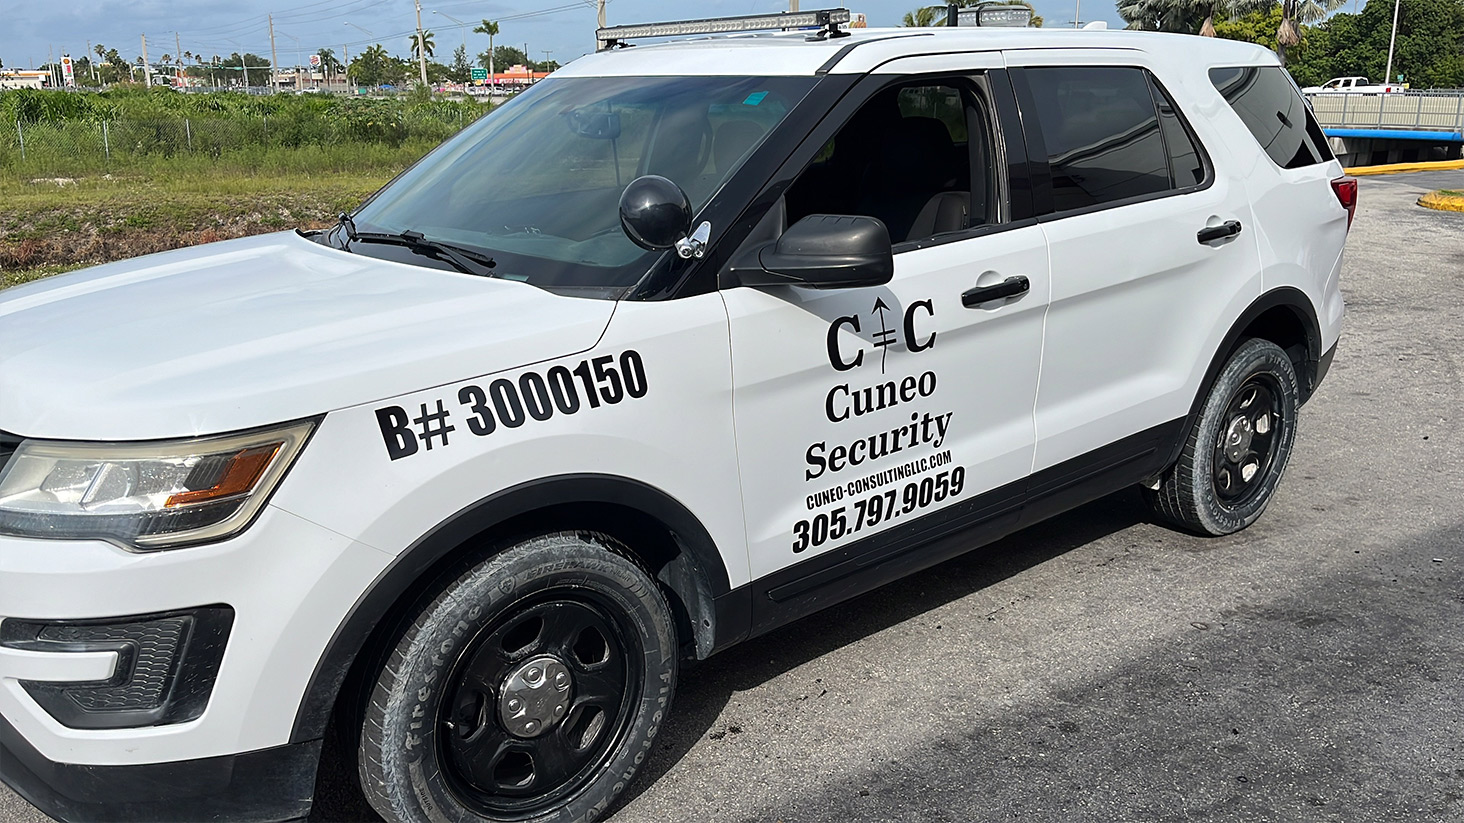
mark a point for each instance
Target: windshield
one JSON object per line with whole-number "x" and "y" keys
{"x": 536, "y": 184}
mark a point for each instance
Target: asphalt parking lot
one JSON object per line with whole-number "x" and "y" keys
{"x": 1102, "y": 668}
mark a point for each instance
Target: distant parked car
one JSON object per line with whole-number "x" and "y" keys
{"x": 1353, "y": 85}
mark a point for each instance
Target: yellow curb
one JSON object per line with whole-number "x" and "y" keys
{"x": 1399, "y": 168}
{"x": 1442, "y": 202}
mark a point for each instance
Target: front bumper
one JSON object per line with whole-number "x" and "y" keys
{"x": 271, "y": 785}
{"x": 289, "y": 584}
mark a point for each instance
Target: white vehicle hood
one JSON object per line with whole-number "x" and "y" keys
{"x": 257, "y": 331}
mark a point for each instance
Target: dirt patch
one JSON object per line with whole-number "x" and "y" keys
{"x": 44, "y": 234}
{"x": 90, "y": 245}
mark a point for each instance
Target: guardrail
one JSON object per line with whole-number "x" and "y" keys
{"x": 1411, "y": 111}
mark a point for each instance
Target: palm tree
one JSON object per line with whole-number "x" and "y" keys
{"x": 489, "y": 28}
{"x": 1163, "y": 15}
{"x": 328, "y": 60}
{"x": 1229, "y": 10}
{"x": 425, "y": 46}
{"x": 1296, "y": 13}
{"x": 925, "y": 17}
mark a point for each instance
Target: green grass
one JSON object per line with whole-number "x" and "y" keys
{"x": 181, "y": 169}
{"x": 46, "y": 228}
{"x": 1451, "y": 193}
{"x": 15, "y": 278}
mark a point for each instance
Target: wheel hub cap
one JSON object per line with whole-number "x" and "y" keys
{"x": 1238, "y": 438}
{"x": 535, "y": 696}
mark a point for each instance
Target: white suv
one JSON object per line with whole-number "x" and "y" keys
{"x": 686, "y": 342}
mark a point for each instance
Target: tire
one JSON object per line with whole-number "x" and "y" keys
{"x": 530, "y": 689}
{"x": 1236, "y": 452}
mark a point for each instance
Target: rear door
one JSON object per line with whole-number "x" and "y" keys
{"x": 1149, "y": 253}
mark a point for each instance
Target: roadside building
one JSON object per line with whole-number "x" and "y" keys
{"x": 23, "y": 79}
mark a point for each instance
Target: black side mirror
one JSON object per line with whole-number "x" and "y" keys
{"x": 825, "y": 251}
{"x": 654, "y": 212}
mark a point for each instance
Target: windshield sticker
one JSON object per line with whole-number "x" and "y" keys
{"x": 755, "y": 98}
{"x": 600, "y": 381}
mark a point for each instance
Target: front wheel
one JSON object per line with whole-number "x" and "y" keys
{"x": 530, "y": 689}
{"x": 1237, "y": 450}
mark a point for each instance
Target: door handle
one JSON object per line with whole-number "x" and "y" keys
{"x": 1010, "y": 287}
{"x": 1210, "y": 234}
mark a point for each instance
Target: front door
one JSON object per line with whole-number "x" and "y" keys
{"x": 866, "y": 416}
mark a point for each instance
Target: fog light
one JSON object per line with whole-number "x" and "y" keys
{"x": 166, "y": 666}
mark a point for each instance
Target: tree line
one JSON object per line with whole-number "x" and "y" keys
{"x": 1316, "y": 47}
{"x": 1315, "y": 40}
{"x": 373, "y": 66}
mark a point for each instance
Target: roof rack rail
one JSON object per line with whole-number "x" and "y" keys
{"x": 827, "y": 21}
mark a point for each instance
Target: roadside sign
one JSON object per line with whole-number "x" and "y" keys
{"x": 314, "y": 61}
{"x": 67, "y": 71}
{"x": 479, "y": 74}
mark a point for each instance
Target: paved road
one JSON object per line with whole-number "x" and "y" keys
{"x": 1102, "y": 668}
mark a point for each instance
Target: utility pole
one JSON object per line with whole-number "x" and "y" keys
{"x": 421, "y": 45}
{"x": 793, "y": 5}
{"x": 1388, "y": 73}
{"x": 347, "y": 71}
{"x": 146, "y": 69}
{"x": 600, "y": 12}
{"x": 1077, "y": 14}
{"x": 274, "y": 58}
{"x": 178, "y": 54}
{"x": 91, "y": 63}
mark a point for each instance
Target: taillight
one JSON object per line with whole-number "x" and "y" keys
{"x": 1346, "y": 191}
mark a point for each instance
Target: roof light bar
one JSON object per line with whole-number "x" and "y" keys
{"x": 826, "y": 20}
{"x": 996, "y": 16}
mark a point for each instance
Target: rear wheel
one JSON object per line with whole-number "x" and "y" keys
{"x": 1237, "y": 450}
{"x": 530, "y": 689}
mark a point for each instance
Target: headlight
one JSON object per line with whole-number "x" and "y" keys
{"x": 152, "y": 495}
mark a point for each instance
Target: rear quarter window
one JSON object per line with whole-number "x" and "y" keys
{"x": 1111, "y": 135}
{"x": 1269, "y": 105}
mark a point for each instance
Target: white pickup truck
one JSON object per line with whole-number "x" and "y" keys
{"x": 1354, "y": 85}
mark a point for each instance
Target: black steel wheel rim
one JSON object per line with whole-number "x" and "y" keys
{"x": 501, "y": 772}
{"x": 1245, "y": 446}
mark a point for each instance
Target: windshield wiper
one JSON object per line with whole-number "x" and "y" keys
{"x": 464, "y": 260}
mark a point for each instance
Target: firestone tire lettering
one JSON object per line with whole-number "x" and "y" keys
{"x": 399, "y": 759}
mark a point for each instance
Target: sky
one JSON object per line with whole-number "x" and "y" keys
{"x": 33, "y": 29}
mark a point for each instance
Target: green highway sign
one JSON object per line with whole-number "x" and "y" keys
{"x": 480, "y": 74}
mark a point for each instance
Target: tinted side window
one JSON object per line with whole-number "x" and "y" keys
{"x": 906, "y": 158}
{"x": 1269, "y": 106}
{"x": 1186, "y": 165}
{"x": 1102, "y": 134}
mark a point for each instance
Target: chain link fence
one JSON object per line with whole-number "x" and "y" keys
{"x": 76, "y": 147}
